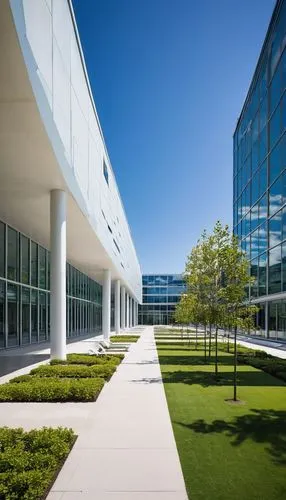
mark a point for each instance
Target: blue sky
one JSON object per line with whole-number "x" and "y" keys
{"x": 169, "y": 78}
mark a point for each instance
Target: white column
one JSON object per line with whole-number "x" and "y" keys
{"x": 131, "y": 312}
{"x": 58, "y": 273}
{"x": 106, "y": 299}
{"x": 117, "y": 306}
{"x": 127, "y": 310}
{"x": 134, "y": 313}
{"x": 123, "y": 305}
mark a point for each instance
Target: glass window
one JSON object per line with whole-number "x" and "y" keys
{"x": 274, "y": 282}
{"x": 255, "y": 187}
{"x": 284, "y": 223}
{"x": 34, "y": 264}
{"x": 284, "y": 113}
{"x": 275, "y": 162}
{"x": 263, "y": 145}
{"x": 275, "y": 90}
{"x": 2, "y": 314}
{"x": 262, "y": 209}
{"x": 255, "y": 156}
{"x": 263, "y": 178}
{"x": 255, "y": 128}
{"x": 275, "y": 196}
{"x": 25, "y": 315}
{"x": 25, "y": 260}
{"x": 42, "y": 316}
{"x": 42, "y": 267}
{"x": 34, "y": 316}
{"x": 12, "y": 261}
{"x": 275, "y": 52}
{"x": 275, "y": 128}
{"x": 263, "y": 237}
{"x": 275, "y": 229}
{"x": 283, "y": 67}
{"x": 2, "y": 249}
{"x": 105, "y": 172}
{"x": 262, "y": 261}
{"x": 12, "y": 315}
{"x": 263, "y": 113}
{"x": 254, "y": 274}
{"x": 254, "y": 217}
{"x": 284, "y": 267}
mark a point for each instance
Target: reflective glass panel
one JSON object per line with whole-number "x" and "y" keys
{"x": 25, "y": 315}
{"x": 262, "y": 262}
{"x": 25, "y": 260}
{"x": 275, "y": 229}
{"x": 34, "y": 316}
{"x": 275, "y": 128}
{"x": 2, "y": 314}
{"x": 12, "y": 315}
{"x": 42, "y": 316}
{"x": 275, "y": 196}
{"x": 2, "y": 249}
{"x": 13, "y": 256}
{"x": 274, "y": 272}
{"x": 34, "y": 264}
{"x": 42, "y": 267}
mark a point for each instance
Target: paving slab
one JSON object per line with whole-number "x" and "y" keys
{"x": 126, "y": 447}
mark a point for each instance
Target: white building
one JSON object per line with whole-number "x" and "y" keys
{"x": 58, "y": 195}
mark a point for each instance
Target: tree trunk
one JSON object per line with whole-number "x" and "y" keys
{"x": 216, "y": 359}
{"x": 205, "y": 342}
{"x": 196, "y": 337}
{"x": 210, "y": 341}
{"x": 189, "y": 337}
{"x": 228, "y": 341}
{"x": 235, "y": 366}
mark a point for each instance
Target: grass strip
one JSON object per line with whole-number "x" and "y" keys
{"x": 226, "y": 450}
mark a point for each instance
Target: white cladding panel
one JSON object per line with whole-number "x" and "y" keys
{"x": 56, "y": 50}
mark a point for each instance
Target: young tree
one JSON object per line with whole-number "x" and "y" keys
{"x": 204, "y": 274}
{"x": 235, "y": 281}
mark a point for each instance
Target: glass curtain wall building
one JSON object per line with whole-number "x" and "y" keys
{"x": 25, "y": 294}
{"x": 160, "y": 296}
{"x": 259, "y": 211}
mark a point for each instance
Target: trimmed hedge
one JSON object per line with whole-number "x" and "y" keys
{"x": 29, "y": 461}
{"x": 73, "y": 371}
{"x": 52, "y": 389}
{"x": 263, "y": 361}
{"x": 89, "y": 360}
{"x": 124, "y": 338}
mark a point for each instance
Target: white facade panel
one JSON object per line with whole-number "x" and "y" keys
{"x": 61, "y": 100}
{"x": 39, "y": 34}
{"x": 57, "y": 61}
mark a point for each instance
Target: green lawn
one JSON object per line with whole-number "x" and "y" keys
{"x": 227, "y": 452}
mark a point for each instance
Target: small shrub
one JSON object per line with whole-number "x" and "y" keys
{"x": 73, "y": 371}
{"x": 89, "y": 360}
{"x": 52, "y": 389}
{"x": 124, "y": 338}
{"x": 29, "y": 460}
{"x": 20, "y": 378}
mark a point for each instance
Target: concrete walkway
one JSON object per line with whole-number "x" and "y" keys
{"x": 125, "y": 448}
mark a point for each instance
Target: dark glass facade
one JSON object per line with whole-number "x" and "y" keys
{"x": 259, "y": 209}
{"x": 160, "y": 296}
{"x": 25, "y": 295}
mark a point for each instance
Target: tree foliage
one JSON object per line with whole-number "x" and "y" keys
{"x": 217, "y": 275}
